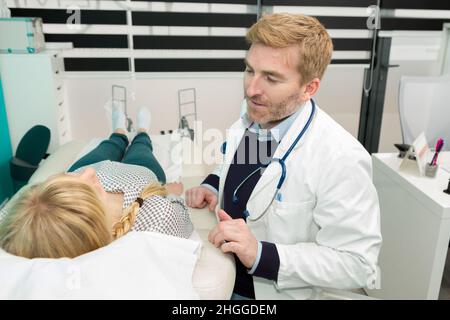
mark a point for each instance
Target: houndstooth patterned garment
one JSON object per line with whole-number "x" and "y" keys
{"x": 168, "y": 215}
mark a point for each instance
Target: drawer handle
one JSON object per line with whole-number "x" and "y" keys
{"x": 57, "y": 71}
{"x": 63, "y": 134}
{"x": 61, "y": 103}
{"x": 61, "y": 119}
{"x": 59, "y": 88}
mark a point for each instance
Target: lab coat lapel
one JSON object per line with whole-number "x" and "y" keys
{"x": 264, "y": 190}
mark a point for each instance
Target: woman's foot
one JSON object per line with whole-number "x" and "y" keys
{"x": 144, "y": 118}
{"x": 120, "y": 131}
{"x": 119, "y": 121}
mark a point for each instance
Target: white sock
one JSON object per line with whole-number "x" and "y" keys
{"x": 119, "y": 120}
{"x": 144, "y": 118}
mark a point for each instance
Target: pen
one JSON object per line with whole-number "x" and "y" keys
{"x": 439, "y": 145}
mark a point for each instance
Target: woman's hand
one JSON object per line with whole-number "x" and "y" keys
{"x": 174, "y": 188}
{"x": 200, "y": 197}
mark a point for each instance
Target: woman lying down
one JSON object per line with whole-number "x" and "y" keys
{"x": 105, "y": 194}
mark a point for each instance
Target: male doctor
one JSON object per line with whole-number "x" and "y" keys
{"x": 296, "y": 202}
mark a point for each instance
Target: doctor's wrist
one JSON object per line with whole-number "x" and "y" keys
{"x": 269, "y": 262}
{"x": 212, "y": 181}
{"x": 258, "y": 257}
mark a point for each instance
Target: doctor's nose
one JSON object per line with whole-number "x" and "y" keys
{"x": 253, "y": 87}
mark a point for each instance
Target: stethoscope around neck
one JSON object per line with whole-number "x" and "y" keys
{"x": 281, "y": 161}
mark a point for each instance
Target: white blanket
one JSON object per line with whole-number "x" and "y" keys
{"x": 140, "y": 265}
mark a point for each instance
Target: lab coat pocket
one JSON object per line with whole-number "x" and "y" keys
{"x": 290, "y": 222}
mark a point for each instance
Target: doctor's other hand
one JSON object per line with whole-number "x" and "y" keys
{"x": 200, "y": 197}
{"x": 233, "y": 235}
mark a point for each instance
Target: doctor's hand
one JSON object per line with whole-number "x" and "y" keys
{"x": 199, "y": 197}
{"x": 233, "y": 235}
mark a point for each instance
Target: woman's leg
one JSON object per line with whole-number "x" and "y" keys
{"x": 111, "y": 149}
{"x": 140, "y": 152}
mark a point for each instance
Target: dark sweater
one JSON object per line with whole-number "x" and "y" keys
{"x": 250, "y": 155}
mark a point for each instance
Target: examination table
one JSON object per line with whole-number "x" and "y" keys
{"x": 214, "y": 272}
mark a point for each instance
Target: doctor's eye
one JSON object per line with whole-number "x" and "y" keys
{"x": 249, "y": 71}
{"x": 271, "y": 80}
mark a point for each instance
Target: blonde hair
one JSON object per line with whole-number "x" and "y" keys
{"x": 280, "y": 30}
{"x": 63, "y": 217}
{"x": 126, "y": 222}
{"x": 60, "y": 217}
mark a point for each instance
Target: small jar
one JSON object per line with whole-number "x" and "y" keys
{"x": 430, "y": 170}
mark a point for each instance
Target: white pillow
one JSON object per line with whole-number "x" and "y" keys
{"x": 140, "y": 265}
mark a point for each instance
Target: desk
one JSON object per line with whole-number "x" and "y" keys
{"x": 415, "y": 225}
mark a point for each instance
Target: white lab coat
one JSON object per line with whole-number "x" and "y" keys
{"x": 327, "y": 225}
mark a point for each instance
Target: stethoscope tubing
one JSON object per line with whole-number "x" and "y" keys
{"x": 281, "y": 161}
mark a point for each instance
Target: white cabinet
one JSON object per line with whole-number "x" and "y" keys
{"x": 415, "y": 226}
{"x": 34, "y": 94}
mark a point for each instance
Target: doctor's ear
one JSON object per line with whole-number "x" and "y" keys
{"x": 311, "y": 88}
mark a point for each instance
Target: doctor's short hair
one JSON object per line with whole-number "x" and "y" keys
{"x": 280, "y": 30}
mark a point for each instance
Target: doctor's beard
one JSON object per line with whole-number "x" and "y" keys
{"x": 272, "y": 113}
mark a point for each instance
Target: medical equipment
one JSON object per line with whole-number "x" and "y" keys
{"x": 282, "y": 163}
{"x": 447, "y": 191}
{"x": 120, "y": 101}
{"x": 402, "y": 148}
{"x": 185, "y": 130}
{"x": 21, "y": 35}
{"x": 186, "y": 98}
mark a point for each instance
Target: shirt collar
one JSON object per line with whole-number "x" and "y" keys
{"x": 276, "y": 133}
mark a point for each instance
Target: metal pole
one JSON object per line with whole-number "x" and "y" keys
{"x": 258, "y": 9}
{"x": 372, "y": 103}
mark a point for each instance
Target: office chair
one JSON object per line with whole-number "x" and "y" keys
{"x": 424, "y": 106}
{"x": 31, "y": 150}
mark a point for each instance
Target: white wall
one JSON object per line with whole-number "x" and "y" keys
{"x": 340, "y": 95}
{"x": 219, "y": 95}
{"x": 218, "y": 101}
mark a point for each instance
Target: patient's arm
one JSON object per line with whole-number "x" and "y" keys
{"x": 175, "y": 188}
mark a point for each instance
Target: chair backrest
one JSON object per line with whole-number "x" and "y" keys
{"x": 424, "y": 106}
{"x": 34, "y": 144}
